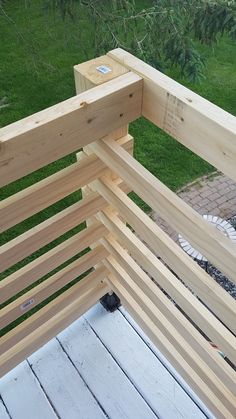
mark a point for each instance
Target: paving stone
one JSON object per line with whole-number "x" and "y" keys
{"x": 220, "y": 200}
{"x": 206, "y": 192}
{"x": 216, "y": 196}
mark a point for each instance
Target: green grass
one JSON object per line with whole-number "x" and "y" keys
{"x": 37, "y": 55}
{"x": 38, "y": 72}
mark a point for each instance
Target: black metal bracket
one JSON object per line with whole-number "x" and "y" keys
{"x": 110, "y": 302}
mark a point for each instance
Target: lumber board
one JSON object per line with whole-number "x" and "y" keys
{"x": 103, "y": 375}
{"x": 63, "y": 385}
{"x": 88, "y": 295}
{"x": 15, "y": 335}
{"x": 48, "y": 135}
{"x": 140, "y": 280}
{"x": 89, "y": 74}
{"x": 214, "y": 296}
{"x": 217, "y": 248}
{"x": 166, "y": 364}
{"x": 35, "y": 198}
{"x": 159, "y": 388}
{"x": 169, "y": 351}
{"x": 47, "y": 231}
{"x": 3, "y": 411}
{"x": 48, "y": 287}
{"x": 20, "y": 386}
{"x": 42, "y": 194}
{"x": 27, "y": 275}
{"x": 198, "y": 124}
{"x": 169, "y": 330}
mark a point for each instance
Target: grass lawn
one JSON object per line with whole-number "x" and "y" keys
{"x": 37, "y": 55}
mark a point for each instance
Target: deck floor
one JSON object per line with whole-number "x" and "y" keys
{"x": 102, "y": 366}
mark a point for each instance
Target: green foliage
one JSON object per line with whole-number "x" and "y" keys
{"x": 214, "y": 18}
{"x": 162, "y": 33}
{"x": 37, "y": 54}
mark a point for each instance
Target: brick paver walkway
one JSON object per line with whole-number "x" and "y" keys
{"x": 214, "y": 194}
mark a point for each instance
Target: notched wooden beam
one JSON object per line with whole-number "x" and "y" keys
{"x": 46, "y": 136}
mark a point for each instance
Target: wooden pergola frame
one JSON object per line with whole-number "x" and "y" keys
{"x": 97, "y": 121}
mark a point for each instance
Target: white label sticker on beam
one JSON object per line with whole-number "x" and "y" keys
{"x": 27, "y": 304}
{"x": 103, "y": 69}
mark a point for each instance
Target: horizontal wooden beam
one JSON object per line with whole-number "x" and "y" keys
{"x": 44, "y": 233}
{"x": 48, "y": 287}
{"x": 52, "y": 319}
{"x": 214, "y": 296}
{"x": 64, "y": 128}
{"x": 142, "y": 282}
{"x": 41, "y": 316}
{"x": 44, "y": 264}
{"x": 198, "y": 124}
{"x": 35, "y": 198}
{"x": 188, "y": 302}
{"x": 206, "y": 238}
{"x": 173, "y": 335}
{"x": 42, "y": 194}
{"x": 177, "y": 360}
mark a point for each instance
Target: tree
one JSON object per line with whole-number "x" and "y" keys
{"x": 164, "y": 33}
{"x": 161, "y": 32}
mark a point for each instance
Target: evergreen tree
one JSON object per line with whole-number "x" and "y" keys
{"x": 164, "y": 33}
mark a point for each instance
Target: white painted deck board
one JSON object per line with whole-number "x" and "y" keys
{"x": 3, "y": 412}
{"x": 63, "y": 385}
{"x": 147, "y": 373}
{"x": 102, "y": 374}
{"x": 102, "y": 366}
{"x": 23, "y": 395}
{"x": 173, "y": 373}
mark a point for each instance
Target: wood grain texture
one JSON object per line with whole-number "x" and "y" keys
{"x": 64, "y": 387}
{"x": 64, "y": 128}
{"x": 88, "y": 296}
{"x": 206, "y": 238}
{"x": 173, "y": 335}
{"x": 44, "y": 264}
{"x": 37, "y": 319}
{"x": 42, "y": 194}
{"x": 48, "y": 287}
{"x": 154, "y": 332}
{"x": 87, "y": 74}
{"x": 158, "y": 387}
{"x": 225, "y": 376}
{"x": 103, "y": 375}
{"x": 214, "y": 296}
{"x": 176, "y": 376}
{"x": 47, "y": 231}
{"x": 201, "y": 126}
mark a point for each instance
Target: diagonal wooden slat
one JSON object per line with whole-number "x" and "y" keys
{"x": 70, "y": 305}
{"x": 44, "y": 233}
{"x": 44, "y": 264}
{"x": 215, "y": 297}
{"x": 155, "y": 333}
{"x": 48, "y": 287}
{"x": 203, "y": 236}
{"x": 187, "y": 330}
{"x": 201, "y": 126}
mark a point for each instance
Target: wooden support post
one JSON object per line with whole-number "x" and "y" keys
{"x": 88, "y": 75}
